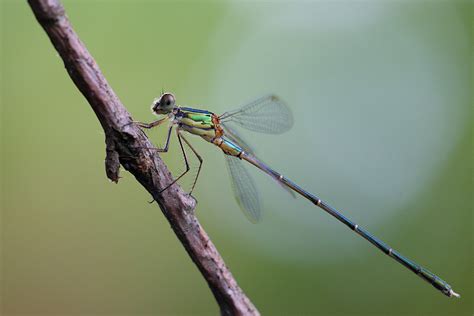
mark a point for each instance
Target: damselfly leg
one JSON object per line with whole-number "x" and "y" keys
{"x": 168, "y": 137}
{"x": 166, "y": 147}
{"x": 198, "y": 157}
{"x": 180, "y": 139}
{"x": 152, "y": 124}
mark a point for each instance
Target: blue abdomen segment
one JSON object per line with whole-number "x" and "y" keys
{"x": 228, "y": 147}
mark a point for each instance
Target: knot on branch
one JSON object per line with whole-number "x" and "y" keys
{"x": 125, "y": 146}
{"x": 112, "y": 160}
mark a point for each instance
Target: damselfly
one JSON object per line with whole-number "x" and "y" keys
{"x": 268, "y": 115}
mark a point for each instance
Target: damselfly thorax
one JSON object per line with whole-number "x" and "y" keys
{"x": 206, "y": 125}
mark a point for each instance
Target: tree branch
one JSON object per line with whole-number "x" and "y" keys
{"x": 125, "y": 144}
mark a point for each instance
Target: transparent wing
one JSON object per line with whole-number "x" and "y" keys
{"x": 235, "y": 137}
{"x": 245, "y": 190}
{"x": 268, "y": 115}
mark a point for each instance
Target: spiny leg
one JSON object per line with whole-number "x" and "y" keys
{"x": 152, "y": 124}
{"x": 185, "y": 160}
{"x": 168, "y": 137}
{"x": 149, "y": 126}
{"x": 200, "y": 162}
{"x": 164, "y": 149}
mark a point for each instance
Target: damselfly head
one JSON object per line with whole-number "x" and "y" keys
{"x": 164, "y": 104}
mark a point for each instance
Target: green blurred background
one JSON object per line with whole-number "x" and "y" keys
{"x": 382, "y": 98}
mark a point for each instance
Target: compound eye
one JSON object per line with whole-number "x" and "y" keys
{"x": 168, "y": 99}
